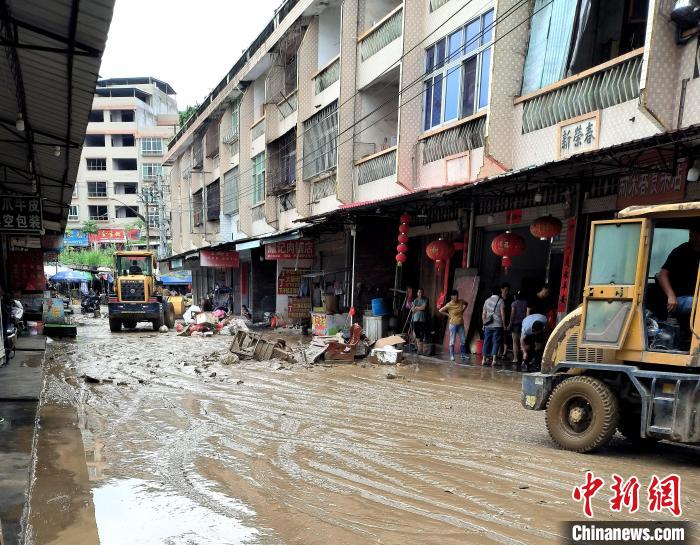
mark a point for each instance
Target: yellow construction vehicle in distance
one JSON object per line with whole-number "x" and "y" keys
{"x": 134, "y": 298}
{"x": 628, "y": 359}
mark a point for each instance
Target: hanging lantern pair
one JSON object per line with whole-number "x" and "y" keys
{"x": 507, "y": 246}
{"x": 440, "y": 251}
{"x": 402, "y": 248}
{"x": 545, "y": 227}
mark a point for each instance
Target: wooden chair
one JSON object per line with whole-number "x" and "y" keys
{"x": 340, "y": 351}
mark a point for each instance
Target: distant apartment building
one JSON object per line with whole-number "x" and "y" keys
{"x": 120, "y": 181}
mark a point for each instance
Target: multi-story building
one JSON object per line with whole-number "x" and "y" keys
{"x": 475, "y": 117}
{"x": 120, "y": 182}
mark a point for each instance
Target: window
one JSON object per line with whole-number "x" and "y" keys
{"x": 73, "y": 212}
{"x": 124, "y": 164}
{"x": 97, "y": 189}
{"x": 230, "y": 200}
{"x": 568, "y": 37}
{"x": 126, "y": 188}
{"x": 122, "y": 116}
{"x": 96, "y": 164}
{"x": 98, "y": 212}
{"x": 151, "y": 146}
{"x": 94, "y": 140}
{"x": 154, "y": 219}
{"x": 96, "y": 116}
{"x": 458, "y": 69}
{"x": 320, "y": 140}
{"x": 282, "y": 165}
{"x": 151, "y": 171}
{"x": 123, "y": 141}
{"x": 213, "y": 202}
{"x": 126, "y": 212}
{"x": 197, "y": 208}
{"x": 258, "y": 178}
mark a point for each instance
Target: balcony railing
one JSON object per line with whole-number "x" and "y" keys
{"x": 231, "y": 135}
{"x": 377, "y": 166}
{"x": 151, "y": 152}
{"x": 466, "y": 135}
{"x": 257, "y": 130}
{"x": 327, "y": 75}
{"x": 258, "y": 212}
{"x": 324, "y": 188}
{"x": 602, "y": 86}
{"x": 382, "y": 34}
{"x": 288, "y": 105}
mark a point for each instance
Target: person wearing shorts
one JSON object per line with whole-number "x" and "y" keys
{"x": 518, "y": 311}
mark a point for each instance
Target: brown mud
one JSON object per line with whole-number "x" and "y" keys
{"x": 175, "y": 447}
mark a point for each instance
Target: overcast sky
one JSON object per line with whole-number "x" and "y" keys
{"x": 191, "y": 44}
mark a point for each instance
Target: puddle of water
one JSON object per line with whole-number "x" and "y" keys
{"x": 134, "y": 512}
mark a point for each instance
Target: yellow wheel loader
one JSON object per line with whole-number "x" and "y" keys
{"x": 628, "y": 359}
{"x": 134, "y": 298}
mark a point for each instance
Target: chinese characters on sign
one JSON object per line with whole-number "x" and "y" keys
{"x": 110, "y": 235}
{"x": 27, "y": 270}
{"x": 566, "y": 265}
{"x": 661, "y": 494}
{"x": 289, "y": 281}
{"x": 76, "y": 238}
{"x": 291, "y": 249}
{"x": 653, "y": 188}
{"x": 298, "y": 307}
{"x": 227, "y": 259}
{"x": 578, "y": 134}
{"x": 20, "y": 214}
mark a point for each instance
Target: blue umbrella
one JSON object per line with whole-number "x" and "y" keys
{"x": 71, "y": 276}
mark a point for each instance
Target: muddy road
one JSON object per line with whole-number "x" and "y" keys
{"x": 178, "y": 448}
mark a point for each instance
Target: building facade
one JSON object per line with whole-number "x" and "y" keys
{"x": 120, "y": 186}
{"x": 472, "y": 117}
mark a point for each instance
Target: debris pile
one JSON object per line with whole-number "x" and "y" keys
{"x": 206, "y": 324}
{"x": 252, "y": 345}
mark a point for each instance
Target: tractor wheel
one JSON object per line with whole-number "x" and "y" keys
{"x": 129, "y": 324}
{"x": 115, "y": 325}
{"x": 582, "y": 414}
{"x": 158, "y": 323}
{"x": 169, "y": 315}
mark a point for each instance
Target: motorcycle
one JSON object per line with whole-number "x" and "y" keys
{"x": 14, "y": 324}
{"x": 90, "y": 304}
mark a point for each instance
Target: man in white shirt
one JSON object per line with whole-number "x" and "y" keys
{"x": 532, "y": 338}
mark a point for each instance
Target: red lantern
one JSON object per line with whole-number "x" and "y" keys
{"x": 401, "y": 259}
{"x": 508, "y": 245}
{"x": 440, "y": 251}
{"x": 403, "y": 239}
{"x": 506, "y": 262}
{"x": 402, "y": 248}
{"x": 403, "y": 229}
{"x": 405, "y": 218}
{"x": 545, "y": 227}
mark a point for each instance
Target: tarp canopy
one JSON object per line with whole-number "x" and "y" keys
{"x": 71, "y": 276}
{"x": 176, "y": 280}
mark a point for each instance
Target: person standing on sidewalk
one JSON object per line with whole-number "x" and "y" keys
{"x": 518, "y": 311}
{"x": 454, "y": 310}
{"x": 419, "y": 318}
{"x": 493, "y": 316}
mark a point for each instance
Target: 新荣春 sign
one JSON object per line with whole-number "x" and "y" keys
{"x": 578, "y": 134}
{"x": 290, "y": 249}
{"x": 227, "y": 259}
{"x": 20, "y": 214}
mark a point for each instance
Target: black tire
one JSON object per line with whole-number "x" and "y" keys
{"x": 159, "y": 322}
{"x": 115, "y": 325}
{"x": 582, "y": 414}
{"x": 169, "y": 315}
{"x": 129, "y": 324}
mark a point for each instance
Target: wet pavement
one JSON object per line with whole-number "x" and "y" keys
{"x": 174, "y": 447}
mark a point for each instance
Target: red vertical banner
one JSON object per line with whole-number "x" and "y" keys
{"x": 566, "y": 265}
{"x": 27, "y": 270}
{"x": 244, "y": 277}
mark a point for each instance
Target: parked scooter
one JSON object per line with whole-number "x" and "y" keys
{"x": 90, "y": 304}
{"x": 15, "y": 323}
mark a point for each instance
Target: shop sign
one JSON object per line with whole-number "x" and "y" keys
{"x": 290, "y": 249}
{"x": 578, "y": 134}
{"x": 110, "y": 235}
{"x": 319, "y": 323}
{"x": 289, "y": 281}
{"x": 653, "y": 188}
{"x": 20, "y": 214}
{"x": 566, "y": 265}
{"x": 76, "y": 238}
{"x": 227, "y": 259}
{"x": 298, "y": 307}
{"x": 27, "y": 270}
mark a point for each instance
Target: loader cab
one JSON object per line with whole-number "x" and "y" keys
{"x": 625, "y": 307}
{"x": 133, "y": 265}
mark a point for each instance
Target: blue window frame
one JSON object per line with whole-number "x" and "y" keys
{"x": 457, "y": 72}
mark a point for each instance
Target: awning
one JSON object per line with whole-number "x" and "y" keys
{"x": 48, "y": 68}
{"x": 248, "y": 245}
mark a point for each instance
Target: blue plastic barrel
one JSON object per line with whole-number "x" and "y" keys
{"x": 379, "y": 308}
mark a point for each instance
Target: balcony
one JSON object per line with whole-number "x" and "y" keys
{"x": 231, "y": 135}
{"x": 197, "y": 156}
{"x": 327, "y": 76}
{"x": 187, "y": 167}
{"x": 382, "y": 34}
{"x": 602, "y": 86}
{"x": 466, "y": 134}
{"x": 257, "y": 129}
{"x": 288, "y": 105}
{"x": 151, "y": 152}
{"x": 377, "y": 166}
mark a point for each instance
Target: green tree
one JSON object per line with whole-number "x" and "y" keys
{"x": 187, "y": 113}
{"x": 89, "y": 227}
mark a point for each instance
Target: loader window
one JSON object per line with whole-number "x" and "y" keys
{"x": 615, "y": 250}
{"x": 125, "y": 264}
